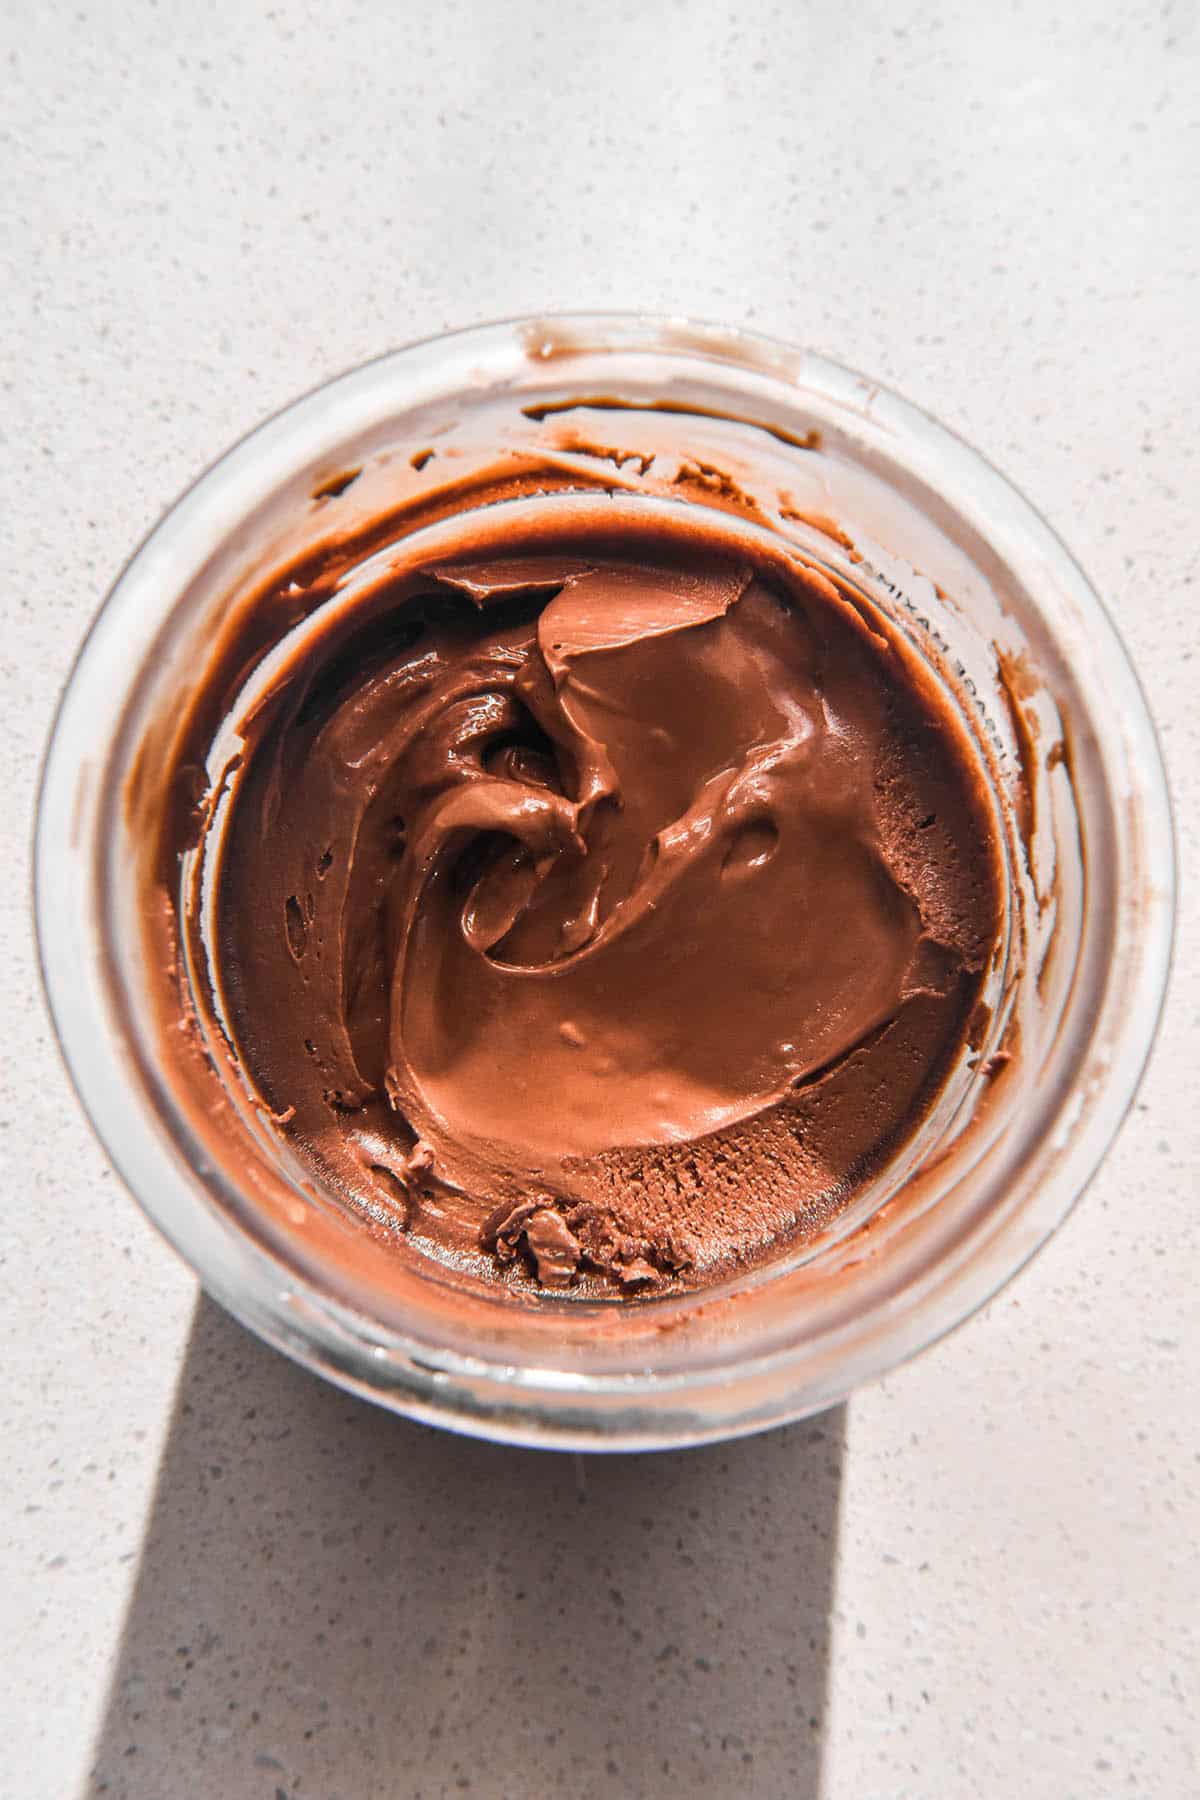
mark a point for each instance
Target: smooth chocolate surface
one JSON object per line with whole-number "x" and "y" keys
{"x": 601, "y": 913}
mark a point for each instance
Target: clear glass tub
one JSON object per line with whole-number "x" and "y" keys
{"x": 639, "y": 413}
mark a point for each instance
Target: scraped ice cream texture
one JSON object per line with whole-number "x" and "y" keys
{"x": 599, "y": 915}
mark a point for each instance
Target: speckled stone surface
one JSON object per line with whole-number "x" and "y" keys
{"x": 222, "y": 1579}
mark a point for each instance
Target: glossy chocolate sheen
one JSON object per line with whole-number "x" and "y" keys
{"x": 602, "y": 914}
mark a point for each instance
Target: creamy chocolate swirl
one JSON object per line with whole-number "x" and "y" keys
{"x": 611, "y": 910}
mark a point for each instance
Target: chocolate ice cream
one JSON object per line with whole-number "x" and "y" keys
{"x": 591, "y": 910}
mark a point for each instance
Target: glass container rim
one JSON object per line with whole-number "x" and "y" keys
{"x": 501, "y": 1402}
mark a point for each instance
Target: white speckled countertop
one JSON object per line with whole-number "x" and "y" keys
{"x": 223, "y": 1579}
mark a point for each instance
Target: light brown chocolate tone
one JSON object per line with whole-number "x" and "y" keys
{"x": 601, "y": 913}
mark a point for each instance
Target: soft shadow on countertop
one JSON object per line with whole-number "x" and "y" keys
{"x": 334, "y": 1604}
